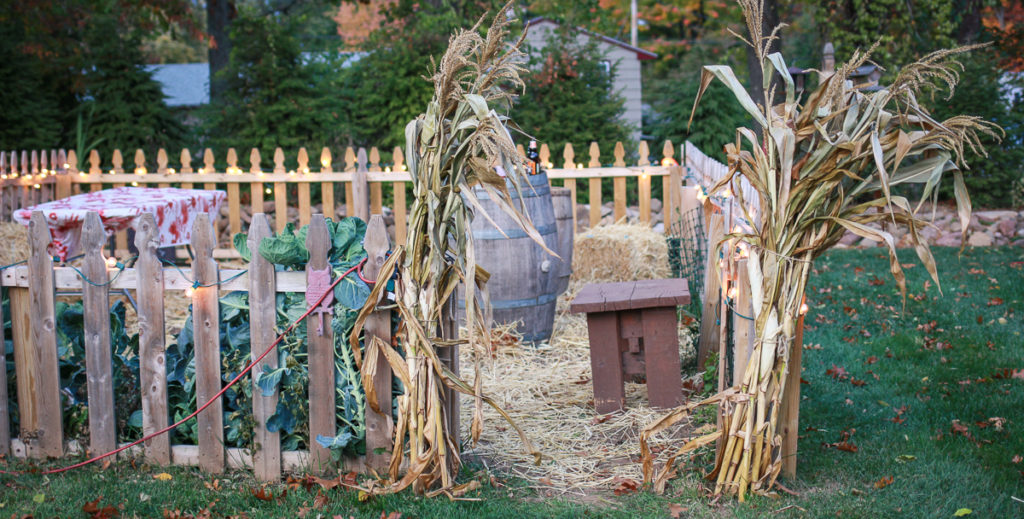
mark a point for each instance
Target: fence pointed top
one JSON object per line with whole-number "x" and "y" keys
{"x": 544, "y": 154}
{"x": 376, "y": 244}
{"x": 620, "y": 154}
{"x": 93, "y": 234}
{"x": 398, "y": 157}
{"x": 203, "y": 238}
{"x": 303, "y": 161}
{"x": 521, "y": 150}
{"x": 147, "y": 236}
{"x": 94, "y": 161}
{"x": 232, "y": 160}
{"x": 278, "y": 160}
{"x": 3, "y": 163}
{"x": 140, "y": 159}
{"x": 208, "y": 163}
{"x": 161, "y": 161}
{"x": 325, "y": 160}
{"x": 569, "y": 155}
{"x": 645, "y": 155}
{"x": 117, "y": 161}
{"x": 35, "y": 162}
{"x": 43, "y": 163}
{"x": 350, "y": 159}
{"x": 71, "y": 159}
{"x": 186, "y": 161}
{"x": 374, "y": 159}
{"x": 361, "y": 160}
{"x": 13, "y": 162}
{"x": 254, "y": 160}
{"x": 668, "y": 150}
{"x": 595, "y": 155}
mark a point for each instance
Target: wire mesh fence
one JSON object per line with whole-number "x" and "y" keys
{"x": 687, "y": 253}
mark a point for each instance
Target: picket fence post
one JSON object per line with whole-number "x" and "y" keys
{"x": 96, "y": 316}
{"x": 266, "y": 457}
{"x": 379, "y": 426}
{"x": 48, "y": 430}
{"x": 320, "y": 353}
{"x": 149, "y": 294}
{"x": 206, "y": 326}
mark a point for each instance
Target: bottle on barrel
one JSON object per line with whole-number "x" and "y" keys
{"x": 534, "y": 157}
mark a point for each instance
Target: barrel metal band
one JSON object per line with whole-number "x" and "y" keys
{"x": 507, "y": 304}
{"x": 526, "y": 192}
{"x": 494, "y": 234}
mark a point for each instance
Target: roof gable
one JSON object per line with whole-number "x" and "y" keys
{"x": 641, "y": 54}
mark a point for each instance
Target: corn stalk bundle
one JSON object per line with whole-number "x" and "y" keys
{"x": 820, "y": 168}
{"x": 454, "y": 146}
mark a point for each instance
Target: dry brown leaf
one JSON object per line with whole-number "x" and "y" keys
{"x": 884, "y": 482}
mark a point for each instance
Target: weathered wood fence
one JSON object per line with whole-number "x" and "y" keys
{"x": 31, "y": 177}
{"x": 33, "y": 288}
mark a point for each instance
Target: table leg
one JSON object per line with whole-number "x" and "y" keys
{"x": 606, "y": 362}
{"x": 661, "y": 350}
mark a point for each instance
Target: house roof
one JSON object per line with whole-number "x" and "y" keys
{"x": 641, "y": 54}
{"x": 184, "y": 84}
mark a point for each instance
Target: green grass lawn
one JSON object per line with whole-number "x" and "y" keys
{"x": 926, "y": 395}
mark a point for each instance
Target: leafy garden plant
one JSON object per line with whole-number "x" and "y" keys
{"x": 819, "y": 168}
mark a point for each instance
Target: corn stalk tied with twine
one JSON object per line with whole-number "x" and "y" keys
{"x": 455, "y": 145}
{"x": 819, "y": 168}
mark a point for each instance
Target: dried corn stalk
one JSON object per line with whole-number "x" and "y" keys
{"x": 819, "y": 169}
{"x": 451, "y": 148}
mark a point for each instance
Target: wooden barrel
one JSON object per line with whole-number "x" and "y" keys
{"x": 561, "y": 200}
{"x": 524, "y": 277}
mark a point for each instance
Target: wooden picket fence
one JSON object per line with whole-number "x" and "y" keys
{"x": 31, "y": 177}
{"x": 34, "y": 286}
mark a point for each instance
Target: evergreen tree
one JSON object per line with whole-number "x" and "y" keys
{"x": 386, "y": 87}
{"x": 123, "y": 104}
{"x": 275, "y": 94}
{"x": 714, "y": 124}
{"x": 569, "y": 98}
{"x": 30, "y": 117}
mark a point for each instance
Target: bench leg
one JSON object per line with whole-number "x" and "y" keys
{"x": 661, "y": 352}
{"x": 606, "y": 362}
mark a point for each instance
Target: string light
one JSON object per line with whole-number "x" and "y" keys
{"x": 669, "y": 161}
{"x": 387, "y": 169}
{"x": 111, "y": 262}
{"x": 325, "y": 163}
{"x": 189, "y": 291}
{"x": 803, "y": 309}
{"x": 37, "y": 186}
{"x": 305, "y": 170}
{"x": 268, "y": 191}
{"x": 579, "y": 166}
{"x": 66, "y": 165}
{"x": 135, "y": 184}
{"x": 140, "y": 170}
{"x": 551, "y": 165}
{"x": 733, "y": 292}
{"x": 403, "y": 167}
{"x": 202, "y": 171}
{"x": 170, "y": 170}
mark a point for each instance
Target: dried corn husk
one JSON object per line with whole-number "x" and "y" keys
{"x": 822, "y": 167}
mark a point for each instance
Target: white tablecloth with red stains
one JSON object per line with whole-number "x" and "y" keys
{"x": 174, "y": 209}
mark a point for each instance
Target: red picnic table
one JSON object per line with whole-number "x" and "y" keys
{"x": 174, "y": 210}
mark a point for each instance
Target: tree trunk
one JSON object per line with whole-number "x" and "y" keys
{"x": 970, "y": 22}
{"x": 771, "y": 19}
{"x": 219, "y": 14}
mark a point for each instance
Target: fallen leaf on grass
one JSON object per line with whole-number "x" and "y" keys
{"x": 600, "y": 419}
{"x": 884, "y": 482}
{"x": 163, "y": 476}
{"x": 962, "y": 512}
{"x": 624, "y": 486}
{"x": 96, "y": 512}
{"x": 1017, "y": 459}
{"x": 676, "y": 510}
{"x": 903, "y": 458}
{"x": 262, "y": 495}
{"x": 837, "y": 372}
{"x": 392, "y": 515}
{"x": 995, "y": 301}
{"x": 38, "y": 498}
{"x": 320, "y": 501}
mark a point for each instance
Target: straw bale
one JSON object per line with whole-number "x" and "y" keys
{"x": 620, "y": 252}
{"x": 15, "y": 240}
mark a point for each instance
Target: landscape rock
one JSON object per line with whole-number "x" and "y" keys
{"x": 994, "y": 216}
{"x": 1007, "y": 226}
{"x": 979, "y": 239}
{"x": 951, "y": 239}
{"x": 656, "y": 205}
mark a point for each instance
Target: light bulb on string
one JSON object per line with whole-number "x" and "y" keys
{"x": 111, "y": 262}
{"x": 803, "y": 309}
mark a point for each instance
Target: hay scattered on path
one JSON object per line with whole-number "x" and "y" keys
{"x": 549, "y": 392}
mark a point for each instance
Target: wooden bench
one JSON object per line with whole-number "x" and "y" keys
{"x": 633, "y": 331}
